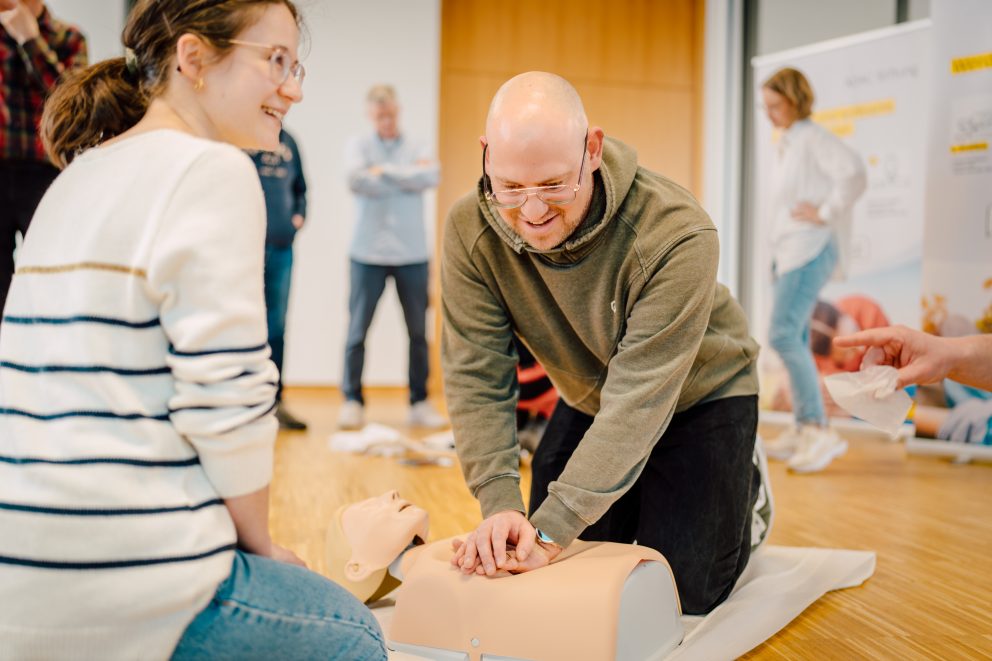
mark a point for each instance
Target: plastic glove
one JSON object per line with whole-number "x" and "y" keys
{"x": 968, "y": 422}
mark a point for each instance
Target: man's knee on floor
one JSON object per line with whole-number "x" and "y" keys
{"x": 705, "y": 584}
{"x": 700, "y": 599}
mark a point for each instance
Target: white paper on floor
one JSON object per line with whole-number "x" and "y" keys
{"x": 371, "y": 437}
{"x": 778, "y": 584}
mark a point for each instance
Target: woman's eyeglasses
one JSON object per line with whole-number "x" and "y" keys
{"x": 281, "y": 66}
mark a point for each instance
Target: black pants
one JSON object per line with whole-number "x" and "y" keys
{"x": 22, "y": 185}
{"x": 692, "y": 502}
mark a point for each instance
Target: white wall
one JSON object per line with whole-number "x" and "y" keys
{"x": 784, "y": 24}
{"x": 353, "y": 45}
{"x": 919, "y": 9}
{"x": 102, "y": 21}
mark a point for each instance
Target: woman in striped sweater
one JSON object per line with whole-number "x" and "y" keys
{"x": 136, "y": 390}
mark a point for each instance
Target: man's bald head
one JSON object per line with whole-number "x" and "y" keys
{"x": 536, "y": 106}
{"x": 538, "y": 138}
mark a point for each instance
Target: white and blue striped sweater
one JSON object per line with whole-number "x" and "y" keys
{"x": 135, "y": 394}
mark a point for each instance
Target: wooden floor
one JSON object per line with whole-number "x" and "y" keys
{"x": 928, "y": 520}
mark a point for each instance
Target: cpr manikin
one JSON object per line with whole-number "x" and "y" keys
{"x": 363, "y": 539}
{"x": 597, "y": 600}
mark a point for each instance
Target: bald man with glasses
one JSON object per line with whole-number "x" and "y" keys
{"x": 607, "y": 274}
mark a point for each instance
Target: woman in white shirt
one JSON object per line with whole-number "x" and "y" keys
{"x": 136, "y": 390}
{"x": 817, "y": 181}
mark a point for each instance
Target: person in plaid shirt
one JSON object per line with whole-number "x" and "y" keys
{"x": 35, "y": 49}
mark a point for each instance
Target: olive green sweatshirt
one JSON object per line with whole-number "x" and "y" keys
{"x": 626, "y": 317}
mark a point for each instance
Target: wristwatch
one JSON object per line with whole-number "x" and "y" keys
{"x": 544, "y": 538}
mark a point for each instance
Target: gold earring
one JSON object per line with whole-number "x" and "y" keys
{"x": 198, "y": 85}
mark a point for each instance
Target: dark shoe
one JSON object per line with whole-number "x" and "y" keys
{"x": 287, "y": 420}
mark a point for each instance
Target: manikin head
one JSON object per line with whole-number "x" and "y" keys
{"x": 538, "y": 152}
{"x": 363, "y": 539}
{"x": 787, "y": 97}
{"x": 228, "y": 69}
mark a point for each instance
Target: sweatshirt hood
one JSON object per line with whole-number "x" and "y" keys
{"x": 611, "y": 183}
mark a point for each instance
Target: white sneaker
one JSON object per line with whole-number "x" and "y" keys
{"x": 423, "y": 414}
{"x": 817, "y": 448}
{"x": 763, "y": 513}
{"x": 783, "y": 446}
{"x": 352, "y": 415}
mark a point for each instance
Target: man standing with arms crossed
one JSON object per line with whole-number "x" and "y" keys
{"x": 388, "y": 172}
{"x": 607, "y": 273}
{"x": 35, "y": 50}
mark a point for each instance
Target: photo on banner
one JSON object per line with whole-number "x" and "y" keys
{"x": 867, "y": 90}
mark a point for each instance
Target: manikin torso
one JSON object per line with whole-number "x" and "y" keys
{"x": 595, "y": 601}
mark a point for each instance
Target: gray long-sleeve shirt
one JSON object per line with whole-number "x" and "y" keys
{"x": 390, "y": 206}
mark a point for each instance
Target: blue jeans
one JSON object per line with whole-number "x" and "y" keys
{"x": 271, "y": 610}
{"x": 368, "y": 281}
{"x": 795, "y": 294}
{"x": 278, "y": 275}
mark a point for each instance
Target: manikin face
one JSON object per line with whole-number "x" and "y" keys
{"x": 387, "y": 512}
{"x": 244, "y": 102}
{"x": 781, "y": 112}
{"x": 554, "y": 160}
{"x": 385, "y": 119}
{"x": 378, "y": 529}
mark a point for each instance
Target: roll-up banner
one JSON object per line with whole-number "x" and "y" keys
{"x": 870, "y": 91}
